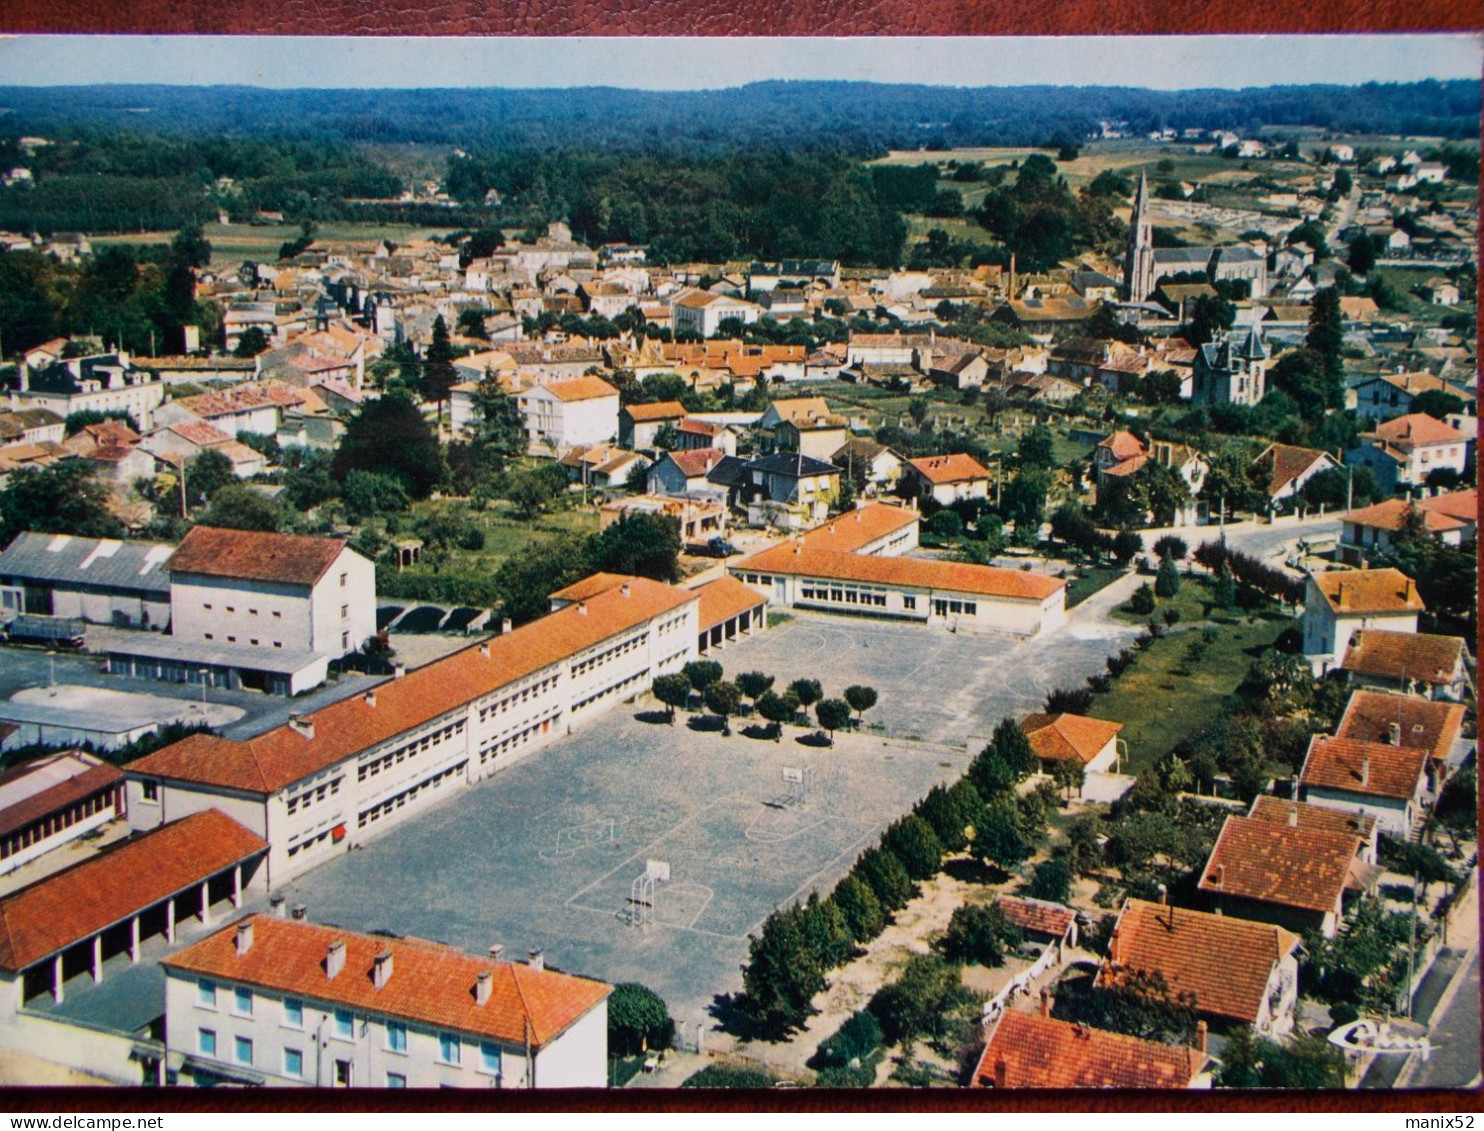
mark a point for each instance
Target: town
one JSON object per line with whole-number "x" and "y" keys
{"x": 1020, "y": 639}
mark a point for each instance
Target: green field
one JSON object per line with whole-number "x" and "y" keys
{"x": 231, "y": 244}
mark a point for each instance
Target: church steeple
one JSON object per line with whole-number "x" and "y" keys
{"x": 1138, "y": 263}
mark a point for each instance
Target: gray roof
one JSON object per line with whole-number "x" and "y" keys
{"x": 64, "y": 559}
{"x": 1177, "y": 256}
{"x": 792, "y": 463}
{"x": 154, "y": 646}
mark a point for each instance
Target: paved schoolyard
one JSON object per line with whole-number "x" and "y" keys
{"x": 543, "y": 855}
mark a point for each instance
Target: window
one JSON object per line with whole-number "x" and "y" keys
{"x": 489, "y": 1057}
{"x": 206, "y": 992}
{"x": 243, "y": 1050}
{"x": 242, "y": 1001}
{"x": 448, "y": 1048}
{"x": 396, "y": 1036}
{"x": 150, "y": 791}
{"x": 344, "y": 1074}
{"x": 343, "y": 576}
{"x": 293, "y": 1013}
{"x": 909, "y": 602}
{"x": 344, "y": 1023}
{"x": 344, "y": 612}
{"x": 206, "y": 606}
{"x": 206, "y": 1042}
{"x": 345, "y": 641}
{"x": 396, "y": 1080}
{"x": 293, "y": 1063}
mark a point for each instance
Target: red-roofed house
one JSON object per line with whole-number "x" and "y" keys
{"x": 946, "y": 479}
{"x": 563, "y": 414}
{"x": 1285, "y": 469}
{"x": 1407, "y": 662}
{"x": 1451, "y": 518}
{"x": 1339, "y": 603}
{"x": 287, "y": 1003}
{"x": 1371, "y": 779}
{"x": 1064, "y": 737}
{"x": 1031, "y": 1050}
{"x": 639, "y": 423}
{"x": 1404, "y": 451}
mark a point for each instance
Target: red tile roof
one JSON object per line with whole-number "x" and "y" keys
{"x": 1276, "y": 810}
{"x": 1404, "y": 656}
{"x": 430, "y": 983}
{"x": 854, "y": 529}
{"x": 1423, "y": 724}
{"x": 723, "y": 599}
{"x": 953, "y": 468}
{"x": 1038, "y": 1052}
{"x": 1393, "y": 513}
{"x": 1360, "y": 591}
{"x": 1037, "y": 915}
{"x": 1463, "y": 505}
{"x": 581, "y": 389}
{"x": 70, "y": 906}
{"x": 660, "y": 410}
{"x": 696, "y": 462}
{"x": 1280, "y": 863}
{"x": 1123, "y": 444}
{"x": 1225, "y": 962}
{"x": 88, "y": 780}
{"x": 1371, "y": 768}
{"x": 911, "y": 573}
{"x": 1285, "y": 463}
{"x": 591, "y": 586}
{"x": 280, "y": 757}
{"x": 1415, "y": 429}
{"x": 253, "y": 555}
{"x": 1066, "y": 736}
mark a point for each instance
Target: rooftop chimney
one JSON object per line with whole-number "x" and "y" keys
{"x": 1365, "y": 770}
{"x": 1411, "y": 593}
{"x": 484, "y": 649}
{"x": 1218, "y": 876}
{"x": 1200, "y": 1036}
{"x": 1163, "y": 894}
{"x": 1045, "y": 1002}
{"x": 371, "y": 698}
{"x": 381, "y": 969}
{"x": 482, "y": 986}
{"x": 505, "y": 626}
{"x": 1001, "y": 1073}
{"x": 399, "y": 670}
{"x": 624, "y": 588}
{"x": 299, "y": 911}
{"x": 303, "y": 726}
{"x": 1394, "y": 733}
{"x": 582, "y": 608}
{"x": 1293, "y": 816}
{"x": 536, "y": 959}
{"x": 334, "y": 959}
{"x": 1340, "y": 595}
{"x": 497, "y": 952}
{"x": 277, "y": 905}
{"x": 244, "y": 937}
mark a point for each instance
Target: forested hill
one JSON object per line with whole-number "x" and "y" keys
{"x": 862, "y": 118}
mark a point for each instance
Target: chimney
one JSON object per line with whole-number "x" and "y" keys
{"x": 1365, "y": 770}
{"x": 832, "y": 528}
{"x": 244, "y": 937}
{"x": 582, "y": 608}
{"x": 1340, "y": 595}
{"x": 1045, "y": 1002}
{"x": 298, "y": 911}
{"x": 482, "y": 985}
{"x": 277, "y": 905}
{"x": 1293, "y": 816}
{"x": 371, "y": 698}
{"x": 497, "y": 952}
{"x": 505, "y": 626}
{"x": 1411, "y": 594}
{"x": 536, "y": 959}
{"x": 381, "y": 969}
{"x": 1164, "y": 894}
{"x": 301, "y": 725}
{"x": 1001, "y": 1073}
{"x": 624, "y": 589}
{"x": 334, "y": 959}
{"x": 1200, "y": 1036}
{"x": 1218, "y": 875}
{"x": 399, "y": 670}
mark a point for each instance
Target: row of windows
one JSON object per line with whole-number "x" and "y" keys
{"x": 492, "y": 749}
{"x": 55, "y": 824}
{"x": 313, "y": 796}
{"x": 664, "y": 628}
{"x": 315, "y": 840}
{"x": 632, "y": 644}
{"x": 254, "y": 641}
{"x": 373, "y": 766}
{"x": 233, "y": 608}
{"x": 535, "y": 690}
{"x": 637, "y": 677}
{"x": 382, "y": 808}
{"x": 874, "y": 598}
{"x": 942, "y": 608}
{"x": 757, "y": 579}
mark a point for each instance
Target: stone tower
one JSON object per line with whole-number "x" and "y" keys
{"x": 1138, "y": 263}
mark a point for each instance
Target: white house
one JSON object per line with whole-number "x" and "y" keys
{"x": 281, "y": 1002}
{"x": 1340, "y": 602}
{"x": 1371, "y": 779}
{"x": 1405, "y": 451}
{"x": 946, "y": 479}
{"x": 564, "y": 414}
{"x": 702, "y": 312}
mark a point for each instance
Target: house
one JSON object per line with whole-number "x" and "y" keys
{"x": 1284, "y": 872}
{"x": 866, "y": 462}
{"x": 106, "y": 383}
{"x": 335, "y": 777}
{"x": 1284, "y": 469}
{"x": 703, "y": 312}
{"x": 118, "y": 466}
{"x": 52, "y": 800}
{"x": 1450, "y": 518}
{"x": 791, "y": 409}
{"x": 946, "y": 479}
{"x": 31, "y": 426}
{"x": 789, "y": 489}
{"x": 1123, "y": 454}
{"x": 1358, "y": 310}
{"x": 1370, "y": 779}
{"x": 282, "y": 1002}
{"x": 1405, "y": 451}
{"x": 683, "y": 472}
{"x": 1041, "y": 922}
{"x": 961, "y": 371}
{"x": 101, "y": 580}
{"x": 1391, "y": 394}
{"x": 693, "y": 433}
{"x": 182, "y": 442}
{"x": 602, "y": 465}
{"x": 1407, "y": 662}
{"x": 1433, "y": 727}
{"x": 1441, "y": 291}
{"x": 638, "y": 424}
{"x": 699, "y": 519}
{"x": 1231, "y": 371}
{"x": 1033, "y": 1050}
{"x": 1338, "y": 603}
{"x": 255, "y": 407}
{"x": 1280, "y": 811}
{"x": 1235, "y": 969}
{"x": 565, "y": 413}
{"x": 1067, "y": 737}
{"x": 953, "y": 594}
{"x": 818, "y": 437}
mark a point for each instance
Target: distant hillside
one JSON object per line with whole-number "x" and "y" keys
{"x": 861, "y": 118}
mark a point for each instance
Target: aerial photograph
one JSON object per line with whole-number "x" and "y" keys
{"x": 739, "y": 564}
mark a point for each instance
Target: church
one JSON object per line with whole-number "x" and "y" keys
{"x": 1144, "y": 265}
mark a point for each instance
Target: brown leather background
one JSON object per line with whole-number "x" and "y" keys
{"x": 732, "y": 18}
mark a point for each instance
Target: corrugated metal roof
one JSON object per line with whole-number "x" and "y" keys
{"x": 110, "y": 562}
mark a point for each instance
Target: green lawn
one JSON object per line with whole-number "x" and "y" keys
{"x": 1080, "y": 589}
{"x": 1161, "y": 707}
{"x": 1191, "y": 601}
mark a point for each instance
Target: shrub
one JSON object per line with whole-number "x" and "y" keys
{"x": 1052, "y": 880}
{"x": 730, "y": 1076}
{"x": 1142, "y": 602}
{"x": 979, "y": 933}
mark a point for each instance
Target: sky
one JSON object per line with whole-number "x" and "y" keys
{"x": 1163, "y": 62}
